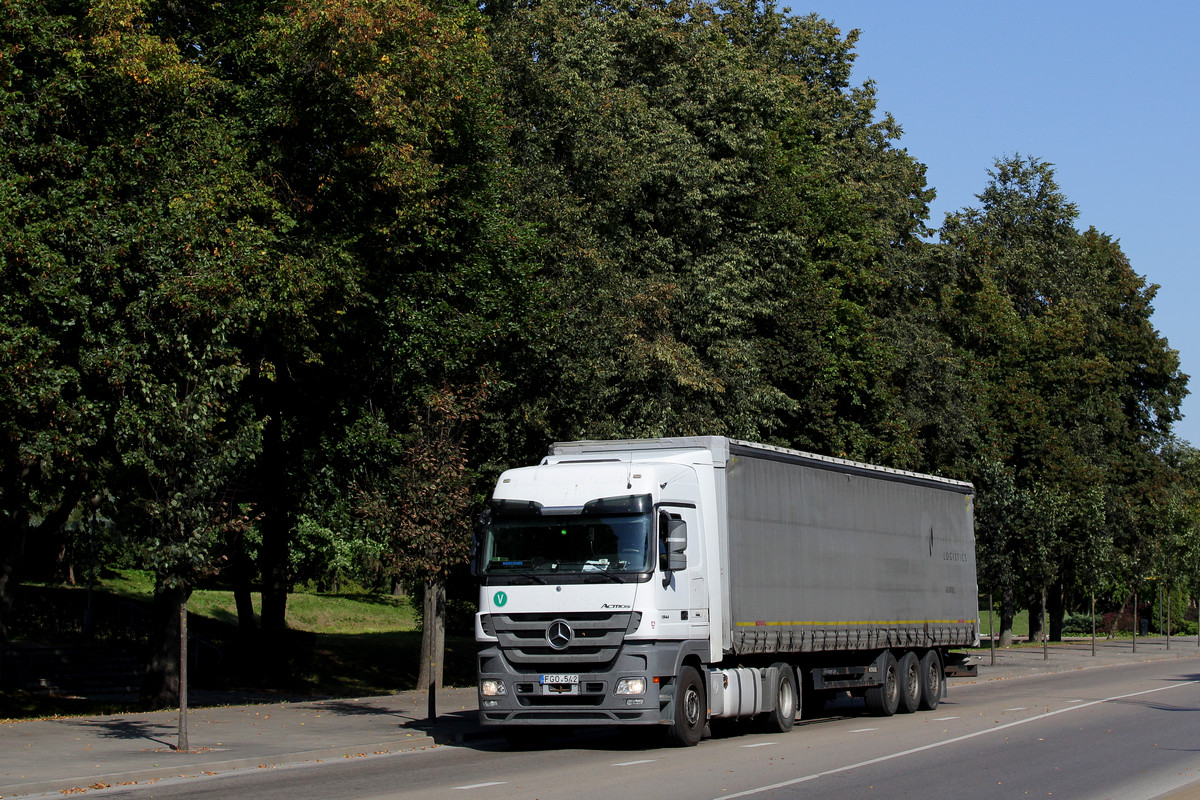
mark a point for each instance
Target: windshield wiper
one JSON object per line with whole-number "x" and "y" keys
{"x": 614, "y": 577}
{"x": 517, "y": 573}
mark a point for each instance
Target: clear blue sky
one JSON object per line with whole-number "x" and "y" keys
{"x": 1108, "y": 92}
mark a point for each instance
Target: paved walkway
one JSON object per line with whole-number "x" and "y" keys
{"x": 77, "y": 753}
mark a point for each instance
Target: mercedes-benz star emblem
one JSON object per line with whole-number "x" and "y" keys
{"x": 559, "y": 634}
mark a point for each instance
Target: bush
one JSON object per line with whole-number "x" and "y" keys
{"x": 1080, "y": 625}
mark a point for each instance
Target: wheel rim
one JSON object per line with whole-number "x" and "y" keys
{"x": 691, "y": 706}
{"x": 914, "y": 681}
{"x": 893, "y": 685}
{"x": 787, "y": 700}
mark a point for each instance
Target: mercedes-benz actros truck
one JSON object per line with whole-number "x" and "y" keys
{"x": 675, "y": 581}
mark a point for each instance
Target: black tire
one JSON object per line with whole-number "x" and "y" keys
{"x": 909, "y": 673}
{"x": 932, "y": 676}
{"x": 884, "y": 699}
{"x": 783, "y": 717}
{"x": 691, "y": 709}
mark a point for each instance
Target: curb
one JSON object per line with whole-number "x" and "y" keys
{"x": 195, "y": 769}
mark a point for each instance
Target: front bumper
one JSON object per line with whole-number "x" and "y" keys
{"x": 592, "y": 702}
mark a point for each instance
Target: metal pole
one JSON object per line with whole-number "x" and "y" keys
{"x": 1045, "y": 631}
{"x": 1160, "y": 604}
{"x": 182, "y": 747}
{"x": 1136, "y": 621}
{"x": 87, "y": 612}
{"x": 1093, "y": 623}
{"x": 992, "y": 631}
{"x": 1168, "y": 617}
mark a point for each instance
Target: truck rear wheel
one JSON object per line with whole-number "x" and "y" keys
{"x": 783, "y": 717}
{"x": 932, "y": 675}
{"x": 909, "y": 672}
{"x": 882, "y": 700}
{"x": 691, "y": 708}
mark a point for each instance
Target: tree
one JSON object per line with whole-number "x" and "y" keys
{"x": 415, "y": 487}
{"x": 374, "y": 126}
{"x": 717, "y": 208}
{"x": 51, "y": 427}
{"x": 139, "y": 226}
{"x": 1076, "y": 387}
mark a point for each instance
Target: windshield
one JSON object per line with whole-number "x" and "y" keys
{"x": 568, "y": 544}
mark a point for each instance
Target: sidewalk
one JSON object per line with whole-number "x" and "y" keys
{"x": 73, "y": 754}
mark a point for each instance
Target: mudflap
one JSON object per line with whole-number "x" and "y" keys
{"x": 960, "y": 665}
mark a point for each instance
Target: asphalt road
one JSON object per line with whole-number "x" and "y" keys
{"x": 1129, "y": 732}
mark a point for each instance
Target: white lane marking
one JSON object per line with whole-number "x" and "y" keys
{"x": 943, "y": 719}
{"x": 1018, "y": 708}
{"x": 631, "y": 763}
{"x": 482, "y": 785}
{"x": 955, "y": 740}
{"x": 863, "y": 730}
{"x": 1076, "y": 701}
{"x": 760, "y": 744}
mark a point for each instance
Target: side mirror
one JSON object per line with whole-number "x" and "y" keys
{"x": 674, "y": 537}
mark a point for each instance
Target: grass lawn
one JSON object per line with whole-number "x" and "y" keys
{"x": 333, "y": 613}
{"x": 1020, "y": 622}
{"x": 347, "y": 644}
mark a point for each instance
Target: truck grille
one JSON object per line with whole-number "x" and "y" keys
{"x": 534, "y": 641}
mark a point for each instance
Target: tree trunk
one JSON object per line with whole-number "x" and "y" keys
{"x": 12, "y": 547}
{"x": 1035, "y": 617}
{"x": 1116, "y": 624}
{"x": 433, "y": 635}
{"x": 276, "y": 530}
{"x": 241, "y": 573}
{"x": 1056, "y": 609}
{"x": 13, "y": 543}
{"x": 160, "y": 685}
{"x": 1007, "y": 613}
{"x": 273, "y": 563}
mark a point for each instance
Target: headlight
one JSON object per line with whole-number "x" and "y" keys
{"x": 631, "y": 686}
{"x": 490, "y": 688}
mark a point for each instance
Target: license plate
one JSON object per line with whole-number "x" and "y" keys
{"x": 559, "y": 679}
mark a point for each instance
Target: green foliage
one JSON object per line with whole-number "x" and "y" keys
{"x": 1068, "y": 431}
{"x": 283, "y": 287}
{"x": 331, "y": 558}
{"x": 1081, "y": 625}
{"x": 720, "y": 216}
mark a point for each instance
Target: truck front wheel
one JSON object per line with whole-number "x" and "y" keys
{"x": 691, "y": 708}
{"x": 884, "y": 699}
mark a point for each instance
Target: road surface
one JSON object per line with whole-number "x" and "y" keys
{"x": 1128, "y": 733}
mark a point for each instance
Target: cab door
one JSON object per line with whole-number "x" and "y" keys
{"x": 682, "y": 594}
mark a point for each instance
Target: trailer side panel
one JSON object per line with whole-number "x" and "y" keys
{"x": 831, "y": 556}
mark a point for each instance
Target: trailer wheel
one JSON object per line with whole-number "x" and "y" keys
{"x": 909, "y": 671}
{"x": 691, "y": 708}
{"x": 783, "y": 717}
{"x": 932, "y": 674}
{"x": 882, "y": 700}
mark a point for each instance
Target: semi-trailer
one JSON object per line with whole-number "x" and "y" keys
{"x": 678, "y": 580}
